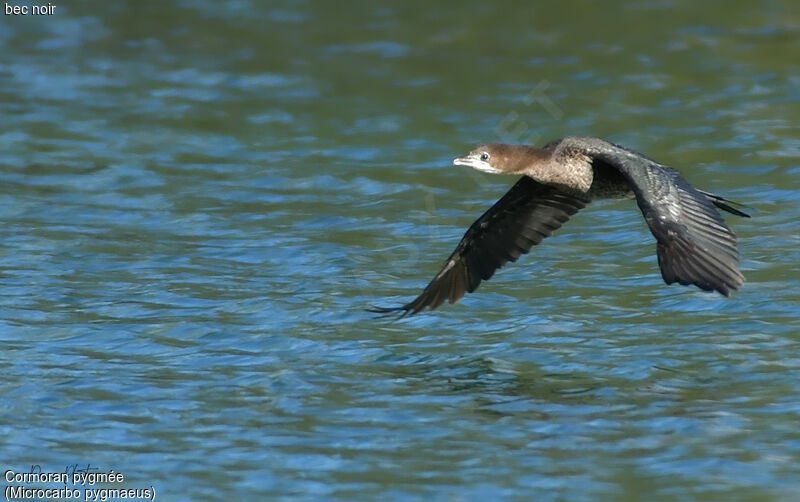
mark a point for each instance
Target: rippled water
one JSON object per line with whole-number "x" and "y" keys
{"x": 200, "y": 198}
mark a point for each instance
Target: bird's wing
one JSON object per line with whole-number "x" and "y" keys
{"x": 522, "y": 218}
{"x": 695, "y": 246}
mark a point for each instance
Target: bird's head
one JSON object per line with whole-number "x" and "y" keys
{"x": 496, "y": 158}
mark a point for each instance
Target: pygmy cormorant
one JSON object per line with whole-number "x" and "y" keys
{"x": 694, "y": 245}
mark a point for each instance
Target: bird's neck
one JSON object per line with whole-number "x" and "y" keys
{"x": 520, "y": 159}
{"x": 567, "y": 169}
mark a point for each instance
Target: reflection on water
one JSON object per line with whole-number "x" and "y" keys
{"x": 201, "y": 199}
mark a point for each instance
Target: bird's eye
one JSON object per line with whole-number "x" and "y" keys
{"x": 484, "y": 156}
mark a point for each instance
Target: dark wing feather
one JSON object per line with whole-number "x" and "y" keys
{"x": 527, "y": 214}
{"x": 695, "y": 246}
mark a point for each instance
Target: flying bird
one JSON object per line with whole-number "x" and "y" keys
{"x": 694, "y": 245}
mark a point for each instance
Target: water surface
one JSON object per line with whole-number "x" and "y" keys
{"x": 200, "y": 198}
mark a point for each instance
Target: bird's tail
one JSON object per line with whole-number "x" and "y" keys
{"x": 725, "y": 204}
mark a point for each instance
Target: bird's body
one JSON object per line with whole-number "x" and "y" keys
{"x": 694, "y": 245}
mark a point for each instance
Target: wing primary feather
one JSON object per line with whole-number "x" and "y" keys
{"x": 527, "y": 214}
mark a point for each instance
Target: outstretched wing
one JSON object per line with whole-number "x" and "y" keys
{"x": 695, "y": 246}
{"x": 527, "y": 214}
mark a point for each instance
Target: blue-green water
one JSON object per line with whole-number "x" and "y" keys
{"x": 200, "y": 198}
